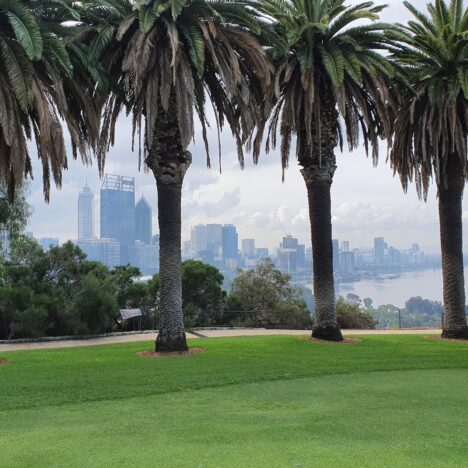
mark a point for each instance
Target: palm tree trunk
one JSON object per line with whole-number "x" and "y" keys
{"x": 451, "y": 240}
{"x": 169, "y": 162}
{"x": 318, "y": 182}
{"x": 318, "y": 170}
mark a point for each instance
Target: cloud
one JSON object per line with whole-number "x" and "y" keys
{"x": 201, "y": 203}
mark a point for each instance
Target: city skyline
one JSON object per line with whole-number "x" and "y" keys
{"x": 148, "y": 221}
{"x": 125, "y": 234}
{"x": 126, "y": 237}
{"x": 359, "y": 221}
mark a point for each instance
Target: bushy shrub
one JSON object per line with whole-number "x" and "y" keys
{"x": 287, "y": 315}
{"x": 264, "y": 297}
{"x": 352, "y": 315}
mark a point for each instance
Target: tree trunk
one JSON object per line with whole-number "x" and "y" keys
{"x": 451, "y": 240}
{"x": 169, "y": 162}
{"x": 318, "y": 169}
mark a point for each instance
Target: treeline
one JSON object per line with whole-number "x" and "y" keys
{"x": 417, "y": 312}
{"x": 59, "y": 292}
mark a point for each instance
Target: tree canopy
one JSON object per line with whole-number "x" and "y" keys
{"x": 326, "y": 55}
{"x": 431, "y": 126}
{"x": 40, "y": 77}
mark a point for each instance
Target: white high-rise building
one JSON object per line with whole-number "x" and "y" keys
{"x": 248, "y": 247}
{"x": 214, "y": 238}
{"x": 86, "y": 214}
{"x": 199, "y": 238}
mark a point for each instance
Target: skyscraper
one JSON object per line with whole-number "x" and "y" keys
{"x": 118, "y": 213}
{"x": 230, "y": 246}
{"x": 248, "y": 247}
{"x": 214, "y": 238}
{"x": 143, "y": 221}
{"x": 198, "y": 238}
{"x": 147, "y": 258}
{"x": 379, "y": 249}
{"x": 85, "y": 214}
{"x": 287, "y": 255}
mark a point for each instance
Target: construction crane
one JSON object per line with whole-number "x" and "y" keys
{"x": 288, "y": 234}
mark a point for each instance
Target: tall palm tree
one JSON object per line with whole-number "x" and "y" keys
{"x": 330, "y": 85}
{"x": 431, "y": 128}
{"x": 37, "y": 92}
{"x": 165, "y": 58}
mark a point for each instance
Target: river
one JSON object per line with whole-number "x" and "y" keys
{"x": 424, "y": 283}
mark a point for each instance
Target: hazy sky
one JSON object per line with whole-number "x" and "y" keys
{"x": 367, "y": 201}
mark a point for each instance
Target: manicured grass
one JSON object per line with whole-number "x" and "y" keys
{"x": 266, "y": 401}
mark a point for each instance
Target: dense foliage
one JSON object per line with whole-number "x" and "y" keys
{"x": 42, "y": 73}
{"x": 265, "y": 297}
{"x": 431, "y": 127}
{"x": 57, "y": 292}
{"x": 13, "y": 216}
{"x": 418, "y": 312}
{"x": 353, "y": 315}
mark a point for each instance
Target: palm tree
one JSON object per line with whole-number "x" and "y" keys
{"x": 37, "y": 92}
{"x": 330, "y": 80}
{"x": 165, "y": 58}
{"x": 431, "y": 128}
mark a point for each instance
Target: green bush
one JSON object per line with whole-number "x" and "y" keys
{"x": 287, "y": 315}
{"x": 352, "y": 315}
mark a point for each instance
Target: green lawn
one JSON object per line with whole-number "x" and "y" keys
{"x": 265, "y": 401}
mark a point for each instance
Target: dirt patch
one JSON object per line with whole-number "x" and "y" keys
{"x": 3, "y": 362}
{"x": 345, "y": 341}
{"x": 438, "y": 337}
{"x": 154, "y": 354}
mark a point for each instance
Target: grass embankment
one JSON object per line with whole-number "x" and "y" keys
{"x": 269, "y": 401}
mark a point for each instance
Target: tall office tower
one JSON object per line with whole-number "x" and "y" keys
{"x": 147, "y": 258}
{"x": 198, "y": 238}
{"x": 379, "y": 249}
{"x": 301, "y": 256}
{"x": 230, "y": 246}
{"x": 248, "y": 248}
{"x": 290, "y": 242}
{"x": 345, "y": 246}
{"x": 214, "y": 238}
{"x": 287, "y": 255}
{"x": 287, "y": 259}
{"x": 347, "y": 262}
{"x": 143, "y": 221}
{"x": 291, "y": 255}
{"x": 85, "y": 214}
{"x": 336, "y": 255}
{"x": 118, "y": 213}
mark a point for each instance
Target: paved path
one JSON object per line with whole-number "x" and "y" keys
{"x": 151, "y": 336}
